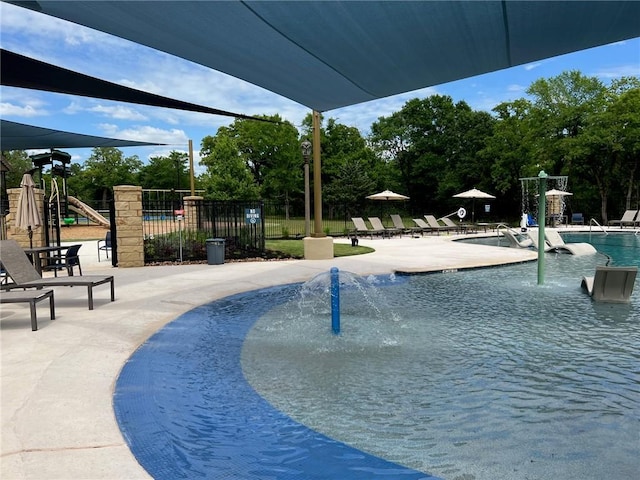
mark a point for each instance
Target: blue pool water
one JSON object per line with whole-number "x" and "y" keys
{"x": 470, "y": 375}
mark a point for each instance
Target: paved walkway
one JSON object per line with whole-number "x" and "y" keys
{"x": 57, "y": 383}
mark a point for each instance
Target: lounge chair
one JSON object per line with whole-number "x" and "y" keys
{"x": 514, "y": 241}
{"x": 629, "y": 218}
{"x": 376, "y": 223}
{"x": 611, "y": 284}
{"x": 437, "y": 227}
{"x": 421, "y": 224}
{"x": 533, "y": 236}
{"x": 399, "y": 224}
{"x": 31, "y": 297}
{"x": 362, "y": 229}
{"x": 453, "y": 225}
{"x": 24, "y": 275}
{"x": 555, "y": 241}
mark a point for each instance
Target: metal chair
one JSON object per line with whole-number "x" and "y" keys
{"x": 68, "y": 260}
{"x": 105, "y": 245}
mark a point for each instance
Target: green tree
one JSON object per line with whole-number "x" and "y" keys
{"x": 228, "y": 177}
{"x": 166, "y": 172}
{"x": 269, "y": 150}
{"x": 18, "y": 162}
{"x": 105, "y": 168}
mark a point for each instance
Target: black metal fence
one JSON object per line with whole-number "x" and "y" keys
{"x": 170, "y": 236}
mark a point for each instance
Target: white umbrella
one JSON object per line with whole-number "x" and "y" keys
{"x": 556, "y": 193}
{"x": 387, "y": 195}
{"x": 473, "y": 194}
{"x": 28, "y": 215}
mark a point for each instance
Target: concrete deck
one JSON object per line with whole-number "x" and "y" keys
{"x": 57, "y": 383}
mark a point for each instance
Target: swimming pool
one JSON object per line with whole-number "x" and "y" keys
{"x": 475, "y": 374}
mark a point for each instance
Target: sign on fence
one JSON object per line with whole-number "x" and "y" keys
{"x": 251, "y": 216}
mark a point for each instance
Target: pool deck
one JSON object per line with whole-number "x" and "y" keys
{"x": 57, "y": 383}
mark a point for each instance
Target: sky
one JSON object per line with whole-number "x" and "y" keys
{"x": 110, "y": 58}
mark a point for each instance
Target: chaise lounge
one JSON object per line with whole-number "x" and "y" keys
{"x": 611, "y": 284}
{"x": 24, "y": 275}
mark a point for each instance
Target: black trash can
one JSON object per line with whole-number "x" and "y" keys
{"x": 215, "y": 251}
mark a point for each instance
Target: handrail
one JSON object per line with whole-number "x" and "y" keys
{"x": 507, "y": 227}
{"x": 592, "y": 221}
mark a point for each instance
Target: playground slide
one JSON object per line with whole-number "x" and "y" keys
{"x": 84, "y": 209}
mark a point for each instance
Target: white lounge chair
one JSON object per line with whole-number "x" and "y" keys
{"x": 514, "y": 241}
{"x": 611, "y": 284}
{"x": 629, "y": 218}
{"x": 555, "y": 241}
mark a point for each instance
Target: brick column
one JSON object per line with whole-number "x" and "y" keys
{"x": 191, "y": 208}
{"x": 19, "y": 235}
{"x": 129, "y": 231}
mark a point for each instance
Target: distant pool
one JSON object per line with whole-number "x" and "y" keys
{"x": 477, "y": 374}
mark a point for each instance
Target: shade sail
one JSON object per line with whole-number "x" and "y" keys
{"x": 327, "y": 55}
{"x": 20, "y": 71}
{"x": 18, "y": 136}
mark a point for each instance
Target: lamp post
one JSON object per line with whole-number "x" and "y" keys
{"x": 306, "y": 154}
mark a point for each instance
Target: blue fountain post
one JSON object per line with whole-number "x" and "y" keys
{"x": 335, "y": 300}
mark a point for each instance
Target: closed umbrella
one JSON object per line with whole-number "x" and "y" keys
{"x": 28, "y": 215}
{"x": 473, "y": 194}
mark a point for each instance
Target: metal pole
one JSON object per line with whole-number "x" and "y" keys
{"x": 306, "y": 153}
{"x": 191, "y": 172}
{"x": 335, "y": 300}
{"x": 542, "y": 189}
{"x": 317, "y": 172}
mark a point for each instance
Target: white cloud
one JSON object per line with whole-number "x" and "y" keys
{"x": 514, "y": 87}
{"x": 631, "y": 70}
{"x": 146, "y": 133}
{"x": 531, "y": 66}
{"x": 27, "y": 111}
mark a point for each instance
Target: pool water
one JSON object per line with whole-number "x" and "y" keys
{"x": 479, "y": 374}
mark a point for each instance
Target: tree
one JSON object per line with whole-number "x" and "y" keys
{"x": 166, "y": 172}
{"x": 19, "y": 162}
{"x": 227, "y": 177}
{"x": 269, "y": 150}
{"x": 105, "y": 168}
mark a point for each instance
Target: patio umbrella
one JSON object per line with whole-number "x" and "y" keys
{"x": 473, "y": 194}
{"x": 387, "y": 195}
{"x": 27, "y": 215}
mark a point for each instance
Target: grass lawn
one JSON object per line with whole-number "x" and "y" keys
{"x": 295, "y": 248}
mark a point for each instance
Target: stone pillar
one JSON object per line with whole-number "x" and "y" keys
{"x": 19, "y": 235}
{"x": 191, "y": 208}
{"x": 129, "y": 231}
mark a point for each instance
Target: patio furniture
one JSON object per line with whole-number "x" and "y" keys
{"x": 628, "y": 218}
{"x": 66, "y": 261}
{"x": 611, "y": 284}
{"x": 24, "y": 275}
{"x": 30, "y": 297}
{"x": 105, "y": 245}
